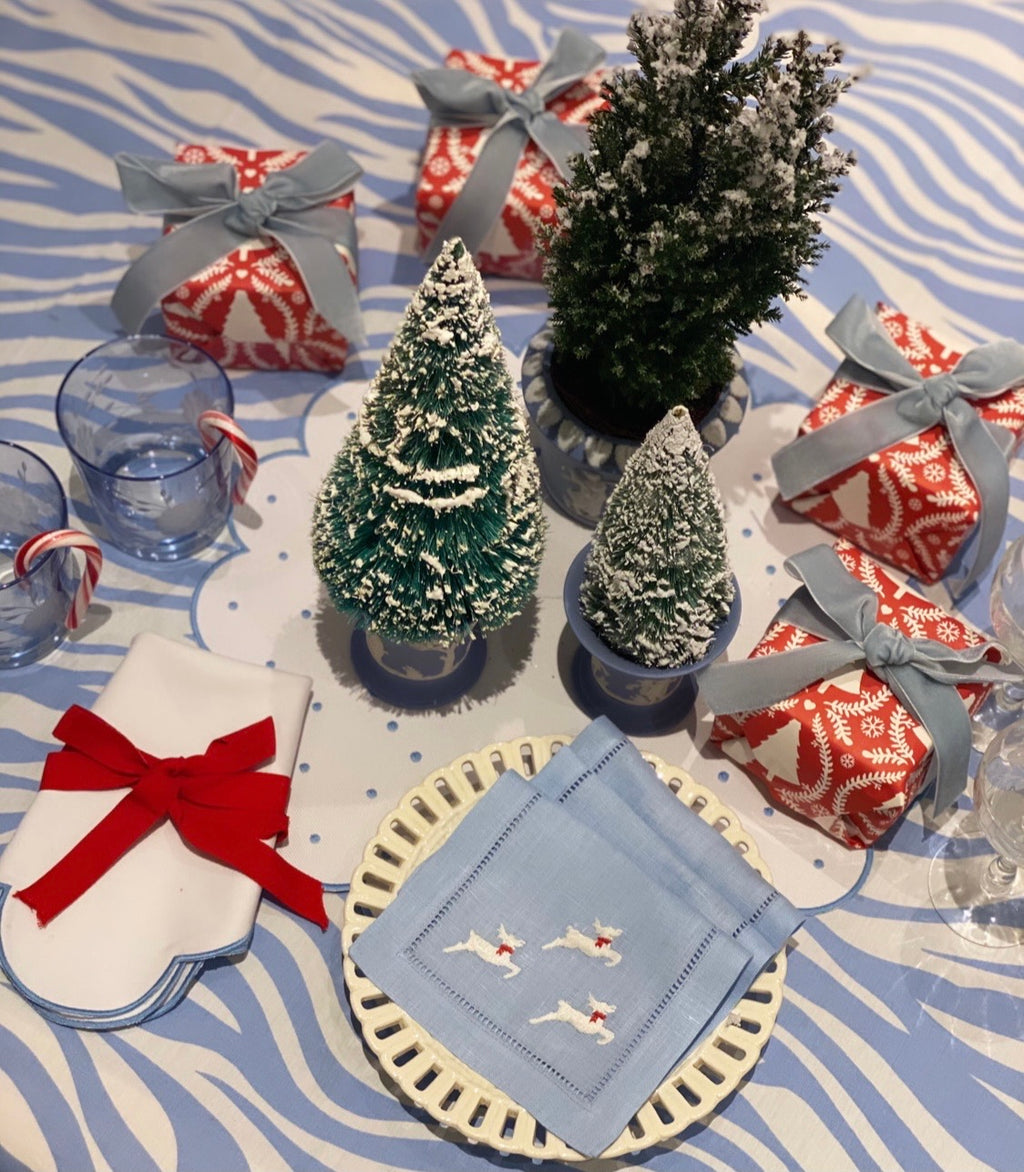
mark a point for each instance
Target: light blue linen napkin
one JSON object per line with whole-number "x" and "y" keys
{"x": 568, "y": 973}
{"x": 602, "y": 779}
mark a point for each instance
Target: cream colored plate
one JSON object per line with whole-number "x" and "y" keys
{"x": 436, "y": 1081}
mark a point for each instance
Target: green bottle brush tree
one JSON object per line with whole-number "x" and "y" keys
{"x": 428, "y": 527}
{"x": 658, "y": 584}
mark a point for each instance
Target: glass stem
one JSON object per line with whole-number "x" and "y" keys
{"x": 999, "y": 877}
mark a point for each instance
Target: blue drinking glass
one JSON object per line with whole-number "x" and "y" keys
{"x": 128, "y": 412}
{"x": 33, "y": 608}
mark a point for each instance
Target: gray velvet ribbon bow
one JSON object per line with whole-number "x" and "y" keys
{"x": 913, "y": 403}
{"x": 456, "y": 97}
{"x": 289, "y": 207}
{"x": 922, "y": 673}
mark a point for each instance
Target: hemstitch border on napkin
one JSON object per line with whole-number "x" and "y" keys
{"x": 410, "y": 954}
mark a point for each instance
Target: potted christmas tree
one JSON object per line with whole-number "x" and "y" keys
{"x": 694, "y": 212}
{"x": 652, "y": 600}
{"x": 428, "y": 529}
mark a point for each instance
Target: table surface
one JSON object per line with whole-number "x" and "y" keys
{"x": 898, "y": 1045}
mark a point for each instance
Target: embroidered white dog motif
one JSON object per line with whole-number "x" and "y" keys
{"x": 598, "y": 945}
{"x": 499, "y": 954}
{"x": 580, "y": 1020}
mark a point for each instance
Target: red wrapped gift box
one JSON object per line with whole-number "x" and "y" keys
{"x": 912, "y": 504}
{"x": 250, "y": 309}
{"x": 509, "y": 250}
{"x": 844, "y": 752}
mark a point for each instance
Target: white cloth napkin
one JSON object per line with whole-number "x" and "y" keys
{"x": 131, "y": 945}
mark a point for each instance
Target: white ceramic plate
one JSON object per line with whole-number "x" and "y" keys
{"x": 435, "y": 1080}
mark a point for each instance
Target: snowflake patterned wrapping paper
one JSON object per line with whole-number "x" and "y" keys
{"x": 913, "y": 503}
{"x": 572, "y": 962}
{"x": 844, "y": 752}
{"x": 250, "y": 309}
{"x": 510, "y": 248}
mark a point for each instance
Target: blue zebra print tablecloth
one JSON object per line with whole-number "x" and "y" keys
{"x": 897, "y": 1046}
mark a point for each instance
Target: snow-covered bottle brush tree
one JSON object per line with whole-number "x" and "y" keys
{"x": 658, "y": 583}
{"x": 428, "y": 527}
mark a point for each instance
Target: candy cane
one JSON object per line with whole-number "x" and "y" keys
{"x": 35, "y": 547}
{"x": 215, "y": 424}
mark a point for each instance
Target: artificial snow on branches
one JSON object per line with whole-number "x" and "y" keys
{"x": 428, "y": 527}
{"x": 657, "y": 583}
{"x": 696, "y": 207}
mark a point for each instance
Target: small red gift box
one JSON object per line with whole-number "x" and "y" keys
{"x": 250, "y": 308}
{"x": 844, "y": 752}
{"x": 509, "y": 249}
{"x": 911, "y": 504}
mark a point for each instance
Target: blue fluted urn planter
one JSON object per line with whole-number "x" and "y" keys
{"x": 580, "y": 466}
{"x": 642, "y": 701}
{"x": 417, "y": 675}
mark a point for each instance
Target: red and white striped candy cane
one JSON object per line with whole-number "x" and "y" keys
{"x": 215, "y": 424}
{"x": 35, "y": 547}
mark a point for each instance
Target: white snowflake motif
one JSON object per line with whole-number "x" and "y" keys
{"x": 914, "y": 504}
{"x": 439, "y": 166}
{"x": 872, "y": 726}
{"x": 828, "y": 414}
{"x": 298, "y": 297}
{"x": 949, "y": 632}
{"x": 193, "y": 155}
{"x": 934, "y": 473}
{"x": 847, "y": 761}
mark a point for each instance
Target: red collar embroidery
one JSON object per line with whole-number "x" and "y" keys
{"x": 597, "y": 1015}
{"x": 504, "y": 950}
{"x": 601, "y": 941}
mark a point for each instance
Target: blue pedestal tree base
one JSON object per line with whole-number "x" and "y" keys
{"x": 642, "y": 701}
{"x": 416, "y": 675}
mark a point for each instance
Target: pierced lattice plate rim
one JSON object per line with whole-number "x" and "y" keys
{"x": 430, "y": 1076}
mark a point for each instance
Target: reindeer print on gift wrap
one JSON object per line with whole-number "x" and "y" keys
{"x": 599, "y": 945}
{"x": 579, "y": 1019}
{"x": 499, "y": 954}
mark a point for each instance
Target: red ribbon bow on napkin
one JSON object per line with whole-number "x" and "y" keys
{"x": 218, "y": 801}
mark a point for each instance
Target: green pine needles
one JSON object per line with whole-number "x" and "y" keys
{"x": 657, "y": 583}
{"x": 696, "y": 208}
{"x": 428, "y": 527}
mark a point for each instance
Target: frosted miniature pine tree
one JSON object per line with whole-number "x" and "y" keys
{"x": 696, "y": 209}
{"x": 658, "y": 583}
{"x": 429, "y": 524}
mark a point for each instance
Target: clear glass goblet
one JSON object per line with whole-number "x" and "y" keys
{"x": 975, "y": 881}
{"x": 1005, "y": 702}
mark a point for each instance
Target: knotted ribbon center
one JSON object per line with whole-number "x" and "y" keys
{"x": 251, "y": 211}
{"x": 219, "y": 802}
{"x": 884, "y": 646}
{"x": 526, "y": 105}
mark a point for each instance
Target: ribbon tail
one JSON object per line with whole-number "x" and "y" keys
{"x": 814, "y": 457}
{"x": 327, "y": 278}
{"x": 89, "y": 859}
{"x": 299, "y": 892}
{"x": 172, "y": 260}
{"x": 982, "y": 457}
{"x": 482, "y": 197}
{"x": 942, "y": 711}
{"x": 750, "y": 684}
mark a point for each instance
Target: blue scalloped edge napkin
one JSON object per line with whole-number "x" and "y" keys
{"x": 568, "y": 956}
